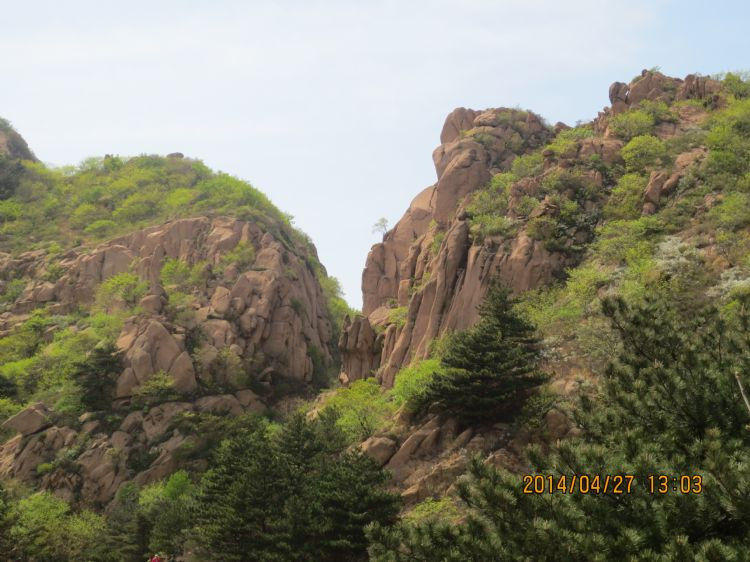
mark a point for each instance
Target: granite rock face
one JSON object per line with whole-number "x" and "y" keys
{"x": 431, "y": 271}
{"x": 247, "y": 325}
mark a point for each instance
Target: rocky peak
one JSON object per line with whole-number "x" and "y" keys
{"x": 655, "y": 86}
{"x": 428, "y": 275}
{"x": 475, "y": 145}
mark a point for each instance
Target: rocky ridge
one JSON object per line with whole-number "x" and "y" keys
{"x": 432, "y": 266}
{"x": 434, "y": 270}
{"x": 270, "y": 317}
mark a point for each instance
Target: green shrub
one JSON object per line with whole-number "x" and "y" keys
{"x": 362, "y": 408}
{"x": 178, "y": 275}
{"x": 137, "y": 207}
{"x": 631, "y": 124}
{"x": 180, "y": 198}
{"x": 101, "y": 227}
{"x": 157, "y": 389}
{"x": 437, "y": 241}
{"x": 398, "y": 316}
{"x": 126, "y": 287}
{"x": 526, "y": 205}
{"x": 659, "y": 111}
{"x": 411, "y": 381}
{"x": 486, "y": 225}
{"x": 227, "y": 371}
{"x": 433, "y": 510}
{"x": 619, "y": 238}
{"x": 242, "y": 256}
{"x": 527, "y": 165}
{"x": 13, "y": 290}
{"x": 733, "y": 212}
{"x": 542, "y": 228}
{"x": 738, "y": 86}
{"x": 565, "y": 144}
{"x": 44, "y": 468}
{"x": 180, "y": 309}
{"x": 626, "y": 199}
{"x": 643, "y": 152}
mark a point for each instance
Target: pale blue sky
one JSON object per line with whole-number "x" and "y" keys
{"x": 332, "y": 108}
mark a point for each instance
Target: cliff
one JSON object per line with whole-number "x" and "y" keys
{"x": 209, "y": 316}
{"x": 430, "y": 272}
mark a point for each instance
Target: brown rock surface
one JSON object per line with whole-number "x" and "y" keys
{"x": 381, "y": 449}
{"x": 30, "y": 420}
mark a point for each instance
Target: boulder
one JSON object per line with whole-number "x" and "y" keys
{"x": 221, "y": 404}
{"x": 183, "y": 373}
{"x": 380, "y": 449}
{"x": 30, "y": 420}
{"x": 221, "y": 301}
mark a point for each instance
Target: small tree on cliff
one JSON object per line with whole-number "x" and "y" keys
{"x": 96, "y": 375}
{"x": 486, "y": 369}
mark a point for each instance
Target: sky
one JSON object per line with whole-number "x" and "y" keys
{"x": 332, "y": 108}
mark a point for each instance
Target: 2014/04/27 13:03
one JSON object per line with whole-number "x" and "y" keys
{"x": 610, "y": 484}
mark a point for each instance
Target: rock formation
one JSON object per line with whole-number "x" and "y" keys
{"x": 430, "y": 266}
{"x": 271, "y": 317}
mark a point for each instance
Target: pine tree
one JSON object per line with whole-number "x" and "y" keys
{"x": 127, "y": 529}
{"x": 669, "y": 404}
{"x": 295, "y": 495}
{"x": 97, "y": 374}
{"x": 488, "y": 368}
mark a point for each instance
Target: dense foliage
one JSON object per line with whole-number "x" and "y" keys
{"x": 670, "y": 404}
{"x": 271, "y": 493}
{"x": 486, "y": 370}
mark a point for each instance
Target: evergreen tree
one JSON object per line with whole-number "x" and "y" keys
{"x": 239, "y": 510}
{"x": 670, "y": 404}
{"x": 295, "y": 495}
{"x": 127, "y": 528}
{"x": 488, "y": 368}
{"x": 6, "y": 521}
{"x": 97, "y": 374}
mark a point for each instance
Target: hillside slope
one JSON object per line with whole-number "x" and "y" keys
{"x": 647, "y": 199}
{"x": 208, "y": 303}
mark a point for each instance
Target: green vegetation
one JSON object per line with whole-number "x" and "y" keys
{"x": 485, "y": 371}
{"x": 631, "y": 124}
{"x": 654, "y": 416}
{"x": 297, "y": 494}
{"x": 643, "y": 151}
{"x": 43, "y": 527}
{"x": 272, "y": 493}
{"x": 565, "y": 144}
{"x": 113, "y": 195}
{"x": 157, "y": 389}
{"x": 121, "y": 289}
{"x": 524, "y": 166}
{"x": 737, "y": 84}
{"x": 626, "y": 200}
{"x": 397, "y": 316}
{"x": 361, "y": 408}
{"x": 489, "y": 205}
{"x": 411, "y": 383}
{"x": 241, "y": 256}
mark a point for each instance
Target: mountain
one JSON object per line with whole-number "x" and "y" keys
{"x": 563, "y": 216}
{"x": 210, "y": 300}
{"x": 563, "y": 301}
